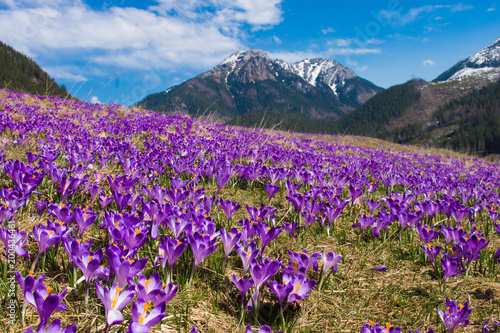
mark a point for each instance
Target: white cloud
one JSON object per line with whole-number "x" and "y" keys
{"x": 428, "y": 62}
{"x": 491, "y": 9}
{"x": 95, "y": 100}
{"x": 277, "y": 40}
{"x": 66, "y": 72}
{"x": 399, "y": 19}
{"x": 258, "y": 13}
{"x": 349, "y": 50}
{"x": 461, "y": 7}
{"x": 328, "y": 30}
{"x": 166, "y": 35}
{"x": 343, "y": 42}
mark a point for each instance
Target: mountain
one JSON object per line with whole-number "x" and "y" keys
{"x": 250, "y": 81}
{"x": 459, "y": 111}
{"x": 484, "y": 63}
{"x": 20, "y": 73}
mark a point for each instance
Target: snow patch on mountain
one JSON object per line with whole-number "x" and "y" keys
{"x": 490, "y": 73}
{"x": 314, "y": 71}
{"x": 487, "y": 55}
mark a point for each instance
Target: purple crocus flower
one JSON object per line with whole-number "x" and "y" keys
{"x": 372, "y": 327}
{"x": 290, "y": 228}
{"x": 142, "y": 321}
{"x": 301, "y": 287}
{"x": 407, "y": 218}
{"x": 167, "y": 292}
{"x": 90, "y": 265}
{"x": 75, "y": 247}
{"x": 247, "y": 254}
{"x": 380, "y": 268}
{"x": 271, "y": 190}
{"x": 104, "y": 200}
{"x": 178, "y": 226}
{"x": 263, "y": 329}
{"x": 202, "y": 246}
{"x": 229, "y": 240}
{"x": 299, "y": 263}
{"x": 61, "y": 212}
{"x": 229, "y": 207}
{"x": 331, "y": 213}
{"x": 124, "y": 267}
{"x": 84, "y": 219}
{"x": 491, "y": 324}
{"x": 243, "y": 285}
{"x": 459, "y": 212}
{"x": 373, "y": 205}
{"x": 12, "y": 238}
{"x": 114, "y": 300}
{"x": 147, "y": 288}
{"x": 450, "y": 266}
{"x": 281, "y": 290}
{"x": 262, "y": 272}
{"x": 266, "y": 234}
{"x": 170, "y": 250}
{"x": 135, "y": 237}
{"x": 432, "y": 252}
{"x": 364, "y": 222}
{"x": 455, "y": 315}
{"x": 447, "y": 233}
{"x": 54, "y": 327}
{"x": 297, "y": 200}
{"x": 330, "y": 259}
{"x": 355, "y": 192}
{"x": 44, "y": 302}
{"x": 426, "y": 233}
{"x": 28, "y": 285}
{"x": 46, "y": 236}
{"x": 121, "y": 200}
{"x": 312, "y": 210}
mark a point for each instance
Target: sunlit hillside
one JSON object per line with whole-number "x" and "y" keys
{"x": 123, "y": 220}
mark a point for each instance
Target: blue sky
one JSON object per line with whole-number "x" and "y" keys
{"x": 122, "y": 50}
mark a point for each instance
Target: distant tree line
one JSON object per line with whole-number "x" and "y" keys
{"x": 478, "y": 117}
{"x": 20, "y": 73}
{"x": 378, "y": 111}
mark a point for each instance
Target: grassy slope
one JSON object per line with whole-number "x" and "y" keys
{"x": 406, "y": 295}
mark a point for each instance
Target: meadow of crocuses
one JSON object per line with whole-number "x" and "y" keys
{"x": 123, "y": 220}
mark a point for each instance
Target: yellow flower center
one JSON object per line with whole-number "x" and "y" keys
{"x": 117, "y": 294}
{"x": 143, "y": 315}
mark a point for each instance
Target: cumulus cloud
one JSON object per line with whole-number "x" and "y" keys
{"x": 95, "y": 100}
{"x": 192, "y": 32}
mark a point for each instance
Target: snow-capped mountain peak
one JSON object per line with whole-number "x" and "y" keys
{"x": 313, "y": 71}
{"x": 244, "y": 56}
{"x": 483, "y": 64}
